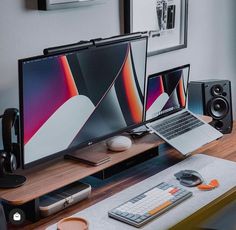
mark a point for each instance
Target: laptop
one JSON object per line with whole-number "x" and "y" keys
{"x": 166, "y": 114}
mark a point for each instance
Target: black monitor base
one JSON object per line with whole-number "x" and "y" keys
{"x": 11, "y": 181}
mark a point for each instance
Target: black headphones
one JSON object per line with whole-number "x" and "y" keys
{"x": 8, "y": 162}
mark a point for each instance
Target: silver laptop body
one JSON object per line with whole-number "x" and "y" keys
{"x": 169, "y": 119}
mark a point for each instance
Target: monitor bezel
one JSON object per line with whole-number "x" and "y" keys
{"x": 83, "y": 144}
{"x": 146, "y": 93}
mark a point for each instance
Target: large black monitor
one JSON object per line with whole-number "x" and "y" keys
{"x": 74, "y": 99}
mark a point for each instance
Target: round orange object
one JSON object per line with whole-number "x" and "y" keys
{"x": 72, "y": 223}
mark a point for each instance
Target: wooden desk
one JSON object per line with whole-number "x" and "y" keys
{"x": 223, "y": 148}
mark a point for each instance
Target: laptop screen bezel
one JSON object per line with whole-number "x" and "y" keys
{"x": 146, "y": 93}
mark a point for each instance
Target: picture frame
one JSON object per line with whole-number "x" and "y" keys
{"x": 65, "y": 4}
{"x": 164, "y": 21}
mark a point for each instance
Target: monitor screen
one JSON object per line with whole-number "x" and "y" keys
{"x": 75, "y": 99}
{"x": 166, "y": 92}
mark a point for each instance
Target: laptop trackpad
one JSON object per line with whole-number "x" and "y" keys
{"x": 194, "y": 139}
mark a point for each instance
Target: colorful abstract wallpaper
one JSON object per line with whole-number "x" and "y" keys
{"x": 79, "y": 97}
{"x": 166, "y": 92}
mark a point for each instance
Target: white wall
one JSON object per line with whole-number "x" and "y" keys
{"x": 25, "y": 32}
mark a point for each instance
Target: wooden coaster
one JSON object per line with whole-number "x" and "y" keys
{"x": 72, "y": 223}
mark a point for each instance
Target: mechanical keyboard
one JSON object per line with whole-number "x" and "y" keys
{"x": 150, "y": 204}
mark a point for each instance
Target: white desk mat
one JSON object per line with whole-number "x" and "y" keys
{"x": 208, "y": 167}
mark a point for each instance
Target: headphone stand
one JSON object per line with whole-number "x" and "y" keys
{"x": 8, "y": 160}
{"x": 11, "y": 180}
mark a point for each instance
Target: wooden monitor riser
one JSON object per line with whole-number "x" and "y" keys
{"x": 53, "y": 175}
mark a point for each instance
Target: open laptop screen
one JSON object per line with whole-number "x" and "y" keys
{"x": 166, "y": 92}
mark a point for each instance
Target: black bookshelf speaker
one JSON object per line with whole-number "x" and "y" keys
{"x": 212, "y": 98}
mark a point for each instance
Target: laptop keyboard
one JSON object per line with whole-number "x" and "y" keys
{"x": 177, "y": 125}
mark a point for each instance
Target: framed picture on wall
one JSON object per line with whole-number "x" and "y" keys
{"x": 165, "y": 22}
{"x": 63, "y": 4}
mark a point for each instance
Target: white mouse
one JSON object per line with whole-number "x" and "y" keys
{"x": 119, "y": 143}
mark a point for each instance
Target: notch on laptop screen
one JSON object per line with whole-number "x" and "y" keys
{"x": 166, "y": 92}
